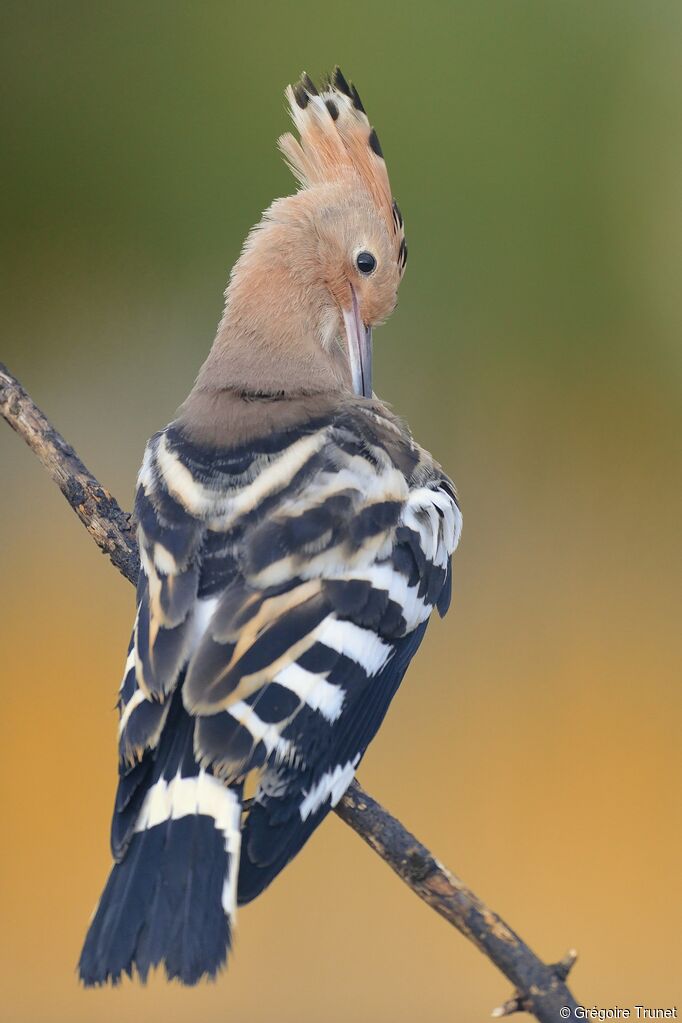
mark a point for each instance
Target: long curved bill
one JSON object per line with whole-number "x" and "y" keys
{"x": 359, "y": 341}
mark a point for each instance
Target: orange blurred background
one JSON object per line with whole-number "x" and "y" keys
{"x": 535, "y": 149}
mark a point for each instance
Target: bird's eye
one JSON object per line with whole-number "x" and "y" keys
{"x": 365, "y": 262}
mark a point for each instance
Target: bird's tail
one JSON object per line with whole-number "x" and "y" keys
{"x": 171, "y": 898}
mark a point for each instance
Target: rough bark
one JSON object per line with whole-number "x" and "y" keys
{"x": 100, "y": 513}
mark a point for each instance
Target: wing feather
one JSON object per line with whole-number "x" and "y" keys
{"x": 284, "y": 589}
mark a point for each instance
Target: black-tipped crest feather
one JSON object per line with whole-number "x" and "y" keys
{"x": 318, "y": 157}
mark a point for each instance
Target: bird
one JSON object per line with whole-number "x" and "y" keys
{"x": 294, "y": 540}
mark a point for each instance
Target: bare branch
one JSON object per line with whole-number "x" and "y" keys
{"x": 539, "y": 988}
{"x": 100, "y": 513}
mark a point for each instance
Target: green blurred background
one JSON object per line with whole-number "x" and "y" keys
{"x": 536, "y": 151}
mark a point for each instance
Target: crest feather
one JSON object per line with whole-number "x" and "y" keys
{"x": 336, "y": 143}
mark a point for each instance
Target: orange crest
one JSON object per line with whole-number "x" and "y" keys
{"x": 337, "y": 142}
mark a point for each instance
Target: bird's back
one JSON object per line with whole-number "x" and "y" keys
{"x": 286, "y": 584}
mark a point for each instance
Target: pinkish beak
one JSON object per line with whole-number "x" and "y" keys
{"x": 359, "y": 342}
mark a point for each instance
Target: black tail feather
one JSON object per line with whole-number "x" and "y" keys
{"x": 168, "y": 899}
{"x": 163, "y": 903}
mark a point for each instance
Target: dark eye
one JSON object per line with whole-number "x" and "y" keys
{"x": 365, "y": 262}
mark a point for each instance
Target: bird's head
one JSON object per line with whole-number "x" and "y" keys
{"x": 323, "y": 266}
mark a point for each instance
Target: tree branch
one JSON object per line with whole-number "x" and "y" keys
{"x": 100, "y": 513}
{"x": 539, "y": 988}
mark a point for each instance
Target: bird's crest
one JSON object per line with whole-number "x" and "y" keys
{"x": 337, "y": 142}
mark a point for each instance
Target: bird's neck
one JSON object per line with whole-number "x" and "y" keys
{"x": 268, "y": 367}
{"x": 270, "y": 339}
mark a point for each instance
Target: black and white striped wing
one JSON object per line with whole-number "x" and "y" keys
{"x": 170, "y": 539}
{"x": 329, "y": 702}
{"x": 285, "y": 590}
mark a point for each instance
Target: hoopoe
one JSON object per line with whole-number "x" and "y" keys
{"x": 294, "y": 541}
